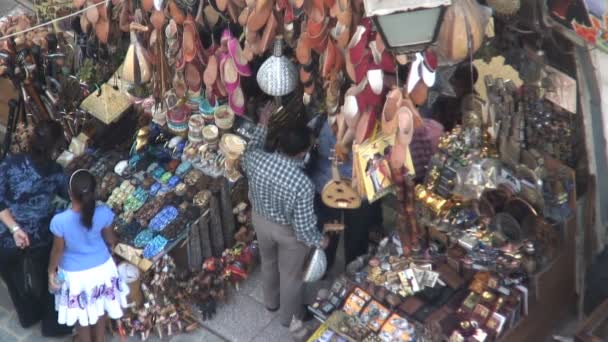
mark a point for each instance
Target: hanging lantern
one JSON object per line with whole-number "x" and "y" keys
{"x": 462, "y": 30}
{"x": 277, "y": 76}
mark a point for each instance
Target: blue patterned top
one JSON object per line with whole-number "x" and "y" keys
{"x": 29, "y": 194}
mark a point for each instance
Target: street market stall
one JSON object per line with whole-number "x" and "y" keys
{"x": 158, "y": 99}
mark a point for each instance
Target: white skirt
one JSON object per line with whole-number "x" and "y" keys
{"x": 87, "y": 295}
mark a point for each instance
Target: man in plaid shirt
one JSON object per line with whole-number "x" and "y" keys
{"x": 282, "y": 198}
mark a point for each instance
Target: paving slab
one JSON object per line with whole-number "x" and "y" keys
{"x": 199, "y": 335}
{"x": 274, "y": 332}
{"x": 12, "y": 325}
{"x": 6, "y": 336}
{"x": 240, "y": 320}
{"x": 5, "y": 299}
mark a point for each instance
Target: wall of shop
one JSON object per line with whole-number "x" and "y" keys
{"x": 592, "y": 66}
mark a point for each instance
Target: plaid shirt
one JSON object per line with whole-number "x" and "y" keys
{"x": 279, "y": 190}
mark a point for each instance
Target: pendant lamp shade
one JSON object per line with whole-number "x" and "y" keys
{"x": 277, "y": 76}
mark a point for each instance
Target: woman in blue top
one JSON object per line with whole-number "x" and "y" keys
{"x": 81, "y": 270}
{"x": 28, "y": 184}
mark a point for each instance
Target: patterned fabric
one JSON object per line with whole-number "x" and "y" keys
{"x": 83, "y": 299}
{"x": 28, "y": 194}
{"x": 279, "y": 190}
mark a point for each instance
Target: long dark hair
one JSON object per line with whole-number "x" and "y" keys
{"x": 82, "y": 189}
{"x": 47, "y": 137}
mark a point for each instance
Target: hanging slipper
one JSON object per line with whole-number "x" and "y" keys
{"x": 189, "y": 40}
{"x": 389, "y": 112}
{"x": 233, "y": 12}
{"x": 328, "y": 59}
{"x": 405, "y": 133}
{"x": 365, "y": 126}
{"x": 260, "y": 15}
{"x": 92, "y": 14}
{"x": 193, "y": 77}
{"x": 303, "y": 50}
{"x": 179, "y": 85}
{"x": 147, "y": 5}
{"x": 269, "y": 34}
{"x": 211, "y": 15}
{"x": 229, "y": 74}
{"x": 236, "y": 101}
{"x": 222, "y": 5}
{"x": 78, "y": 3}
{"x": 124, "y": 21}
{"x": 244, "y": 16}
{"x": 84, "y": 23}
{"x": 234, "y": 49}
{"x": 210, "y": 74}
{"x": 176, "y": 13}
{"x": 102, "y": 30}
{"x": 158, "y": 20}
{"x": 358, "y": 45}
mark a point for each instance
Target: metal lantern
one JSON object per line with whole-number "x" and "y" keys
{"x": 277, "y": 76}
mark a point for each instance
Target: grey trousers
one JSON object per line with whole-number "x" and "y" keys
{"x": 283, "y": 258}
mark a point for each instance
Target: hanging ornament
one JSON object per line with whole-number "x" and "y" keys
{"x": 277, "y": 76}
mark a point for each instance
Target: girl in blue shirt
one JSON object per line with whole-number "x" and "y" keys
{"x": 81, "y": 270}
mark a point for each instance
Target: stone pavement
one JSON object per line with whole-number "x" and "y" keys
{"x": 242, "y": 319}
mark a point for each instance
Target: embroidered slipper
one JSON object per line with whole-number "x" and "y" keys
{"x": 179, "y": 85}
{"x": 365, "y": 126}
{"x": 193, "y": 77}
{"x": 210, "y": 73}
{"x": 236, "y": 101}
{"x": 242, "y": 66}
{"x": 175, "y": 13}
{"x": 102, "y": 30}
{"x": 358, "y": 44}
{"x": 244, "y": 16}
{"x": 328, "y": 59}
{"x": 269, "y": 34}
{"x": 92, "y": 15}
{"x": 158, "y": 20}
{"x": 303, "y": 50}
{"x": 259, "y": 17}
{"x": 211, "y": 15}
{"x": 229, "y": 74}
{"x": 389, "y": 112}
{"x": 147, "y": 5}
{"x": 189, "y": 40}
{"x": 222, "y": 5}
